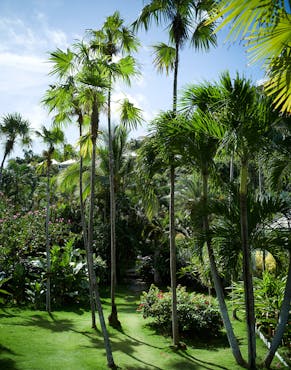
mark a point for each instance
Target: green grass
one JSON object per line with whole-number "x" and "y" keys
{"x": 33, "y": 340}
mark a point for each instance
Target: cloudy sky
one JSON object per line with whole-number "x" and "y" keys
{"x": 30, "y": 29}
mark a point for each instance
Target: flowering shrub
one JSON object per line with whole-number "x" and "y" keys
{"x": 197, "y": 314}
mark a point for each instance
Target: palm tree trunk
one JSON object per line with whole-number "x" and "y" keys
{"x": 113, "y": 317}
{"x": 247, "y": 271}
{"x": 217, "y": 282}
{"x": 283, "y": 319}
{"x": 175, "y": 330}
{"x": 94, "y": 130}
{"x": 84, "y": 226}
{"x": 47, "y": 238}
{"x": 2, "y": 166}
{"x": 175, "y": 324}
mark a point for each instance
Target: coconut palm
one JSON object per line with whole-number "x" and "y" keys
{"x": 12, "y": 127}
{"x": 266, "y": 27}
{"x": 184, "y": 20}
{"x": 110, "y": 41}
{"x": 51, "y": 138}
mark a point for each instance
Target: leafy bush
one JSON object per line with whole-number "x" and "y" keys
{"x": 269, "y": 294}
{"x": 197, "y": 314}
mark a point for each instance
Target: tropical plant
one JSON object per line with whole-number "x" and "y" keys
{"x": 184, "y": 19}
{"x": 13, "y": 126}
{"x": 51, "y": 138}
{"x": 198, "y": 314}
{"x": 266, "y": 29}
{"x": 69, "y": 99}
{"x": 197, "y": 148}
{"x": 112, "y": 39}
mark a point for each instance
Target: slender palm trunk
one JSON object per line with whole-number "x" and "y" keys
{"x": 47, "y": 239}
{"x": 175, "y": 324}
{"x": 94, "y": 130}
{"x": 247, "y": 270}
{"x": 217, "y": 282}
{"x": 84, "y": 226}
{"x": 260, "y": 193}
{"x": 175, "y": 330}
{"x": 113, "y": 317}
{"x": 283, "y": 319}
{"x": 2, "y": 166}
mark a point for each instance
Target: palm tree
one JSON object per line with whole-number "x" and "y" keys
{"x": 50, "y": 138}
{"x": 13, "y": 126}
{"x": 67, "y": 99}
{"x": 184, "y": 19}
{"x": 114, "y": 39}
{"x": 94, "y": 76}
{"x": 266, "y": 27}
{"x": 91, "y": 79}
{"x": 199, "y": 149}
{"x": 245, "y": 118}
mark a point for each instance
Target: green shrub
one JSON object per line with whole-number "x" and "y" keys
{"x": 197, "y": 314}
{"x": 268, "y": 294}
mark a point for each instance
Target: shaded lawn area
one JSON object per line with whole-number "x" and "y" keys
{"x": 34, "y": 340}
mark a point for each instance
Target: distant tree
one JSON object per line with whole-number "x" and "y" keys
{"x": 51, "y": 138}
{"x": 12, "y": 127}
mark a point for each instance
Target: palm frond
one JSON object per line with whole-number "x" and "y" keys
{"x": 164, "y": 57}
{"x": 62, "y": 62}
{"x": 130, "y": 115}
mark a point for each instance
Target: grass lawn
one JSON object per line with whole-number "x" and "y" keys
{"x": 33, "y": 340}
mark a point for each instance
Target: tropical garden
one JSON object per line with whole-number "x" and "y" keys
{"x": 179, "y": 241}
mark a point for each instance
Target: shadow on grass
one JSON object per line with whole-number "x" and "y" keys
{"x": 198, "y": 342}
{"x": 210, "y": 344}
{"x": 137, "y": 341}
{"x": 7, "y": 364}
{"x": 143, "y": 362}
{"x": 6, "y": 350}
{"x": 6, "y": 314}
{"x": 199, "y": 363}
{"x": 56, "y": 325}
{"x": 73, "y": 309}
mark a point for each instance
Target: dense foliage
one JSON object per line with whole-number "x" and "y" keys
{"x": 205, "y": 192}
{"x": 198, "y": 314}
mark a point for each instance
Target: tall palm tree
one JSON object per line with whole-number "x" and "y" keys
{"x": 91, "y": 79}
{"x": 95, "y": 77}
{"x": 184, "y": 19}
{"x": 51, "y": 138}
{"x": 195, "y": 147}
{"x": 12, "y": 127}
{"x": 114, "y": 39}
{"x": 66, "y": 98}
{"x": 243, "y": 122}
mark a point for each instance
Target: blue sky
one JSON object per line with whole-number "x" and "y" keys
{"x": 29, "y": 29}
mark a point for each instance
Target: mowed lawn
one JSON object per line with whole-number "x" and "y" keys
{"x": 34, "y": 340}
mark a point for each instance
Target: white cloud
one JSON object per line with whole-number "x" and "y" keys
{"x": 24, "y": 68}
{"x": 28, "y": 63}
{"x": 16, "y": 33}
